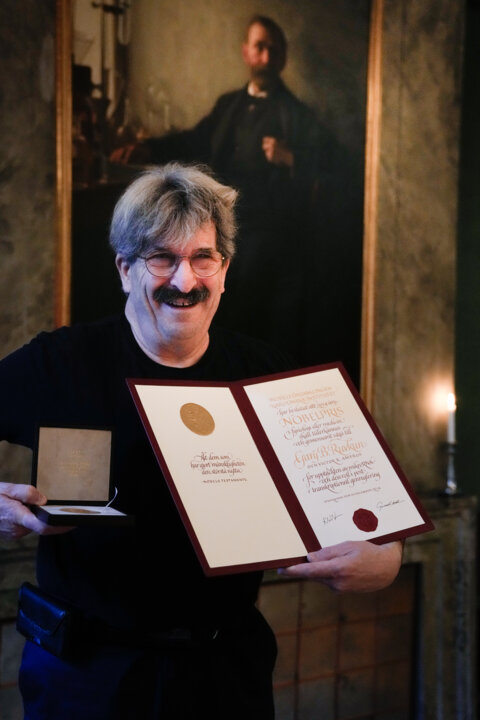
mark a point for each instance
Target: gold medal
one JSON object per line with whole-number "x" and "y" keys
{"x": 197, "y": 419}
{"x": 80, "y": 510}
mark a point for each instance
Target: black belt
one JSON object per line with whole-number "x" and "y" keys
{"x": 63, "y": 630}
{"x": 103, "y": 634}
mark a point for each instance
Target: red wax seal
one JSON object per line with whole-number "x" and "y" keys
{"x": 365, "y": 520}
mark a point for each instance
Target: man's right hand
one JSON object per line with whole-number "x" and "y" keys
{"x": 16, "y": 520}
{"x": 135, "y": 152}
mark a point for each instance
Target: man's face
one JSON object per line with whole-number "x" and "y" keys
{"x": 167, "y": 311}
{"x": 263, "y": 55}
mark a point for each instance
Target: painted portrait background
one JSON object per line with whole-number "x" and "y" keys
{"x": 181, "y": 56}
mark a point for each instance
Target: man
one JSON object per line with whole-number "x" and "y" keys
{"x": 159, "y": 639}
{"x": 266, "y": 143}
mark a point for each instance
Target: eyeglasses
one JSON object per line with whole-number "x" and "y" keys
{"x": 204, "y": 263}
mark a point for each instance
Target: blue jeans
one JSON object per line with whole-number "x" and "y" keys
{"x": 226, "y": 678}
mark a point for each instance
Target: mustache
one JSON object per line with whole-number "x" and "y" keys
{"x": 164, "y": 294}
{"x": 264, "y": 72}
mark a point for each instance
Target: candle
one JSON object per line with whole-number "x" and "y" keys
{"x": 451, "y": 406}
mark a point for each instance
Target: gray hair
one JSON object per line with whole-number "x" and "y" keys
{"x": 170, "y": 203}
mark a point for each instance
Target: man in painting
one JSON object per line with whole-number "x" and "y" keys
{"x": 266, "y": 143}
{"x": 156, "y": 638}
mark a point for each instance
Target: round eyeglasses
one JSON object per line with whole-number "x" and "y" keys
{"x": 204, "y": 263}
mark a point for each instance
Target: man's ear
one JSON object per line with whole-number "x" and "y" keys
{"x": 124, "y": 267}
{"x": 225, "y": 267}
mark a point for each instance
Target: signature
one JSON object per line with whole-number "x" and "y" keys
{"x": 382, "y": 506}
{"x": 327, "y": 519}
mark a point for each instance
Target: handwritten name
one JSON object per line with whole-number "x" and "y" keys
{"x": 327, "y": 519}
{"x": 333, "y": 449}
{"x": 390, "y": 503}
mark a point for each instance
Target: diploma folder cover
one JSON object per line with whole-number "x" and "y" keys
{"x": 266, "y": 470}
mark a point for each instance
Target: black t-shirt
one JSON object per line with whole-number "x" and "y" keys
{"x": 125, "y": 576}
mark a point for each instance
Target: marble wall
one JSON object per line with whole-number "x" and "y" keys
{"x": 27, "y": 169}
{"x": 27, "y": 257}
{"x": 27, "y": 184}
{"x": 417, "y": 219}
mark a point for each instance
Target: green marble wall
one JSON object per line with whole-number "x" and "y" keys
{"x": 417, "y": 231}
{"x": 27, "y": 184}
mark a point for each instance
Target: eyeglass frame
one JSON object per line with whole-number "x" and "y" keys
{"x": 179, "y": 259}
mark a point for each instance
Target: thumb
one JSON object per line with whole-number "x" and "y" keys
{"x": 26, "y": 494}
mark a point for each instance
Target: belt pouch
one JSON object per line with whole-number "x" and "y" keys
{"x": 46, "y": 621}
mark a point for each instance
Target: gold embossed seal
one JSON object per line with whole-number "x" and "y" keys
{"x": 197, "y": 419}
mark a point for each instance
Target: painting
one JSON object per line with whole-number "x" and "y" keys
{"x": 163, "y": 73}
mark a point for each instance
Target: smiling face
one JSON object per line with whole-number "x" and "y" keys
{"x": 170, "y": 316}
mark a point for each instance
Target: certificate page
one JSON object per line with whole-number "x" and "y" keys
{"x": 226, "y": 491}
{"x": 346, "y": 484}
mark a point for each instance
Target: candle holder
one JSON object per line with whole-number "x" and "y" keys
{"x": 451, "y": 486}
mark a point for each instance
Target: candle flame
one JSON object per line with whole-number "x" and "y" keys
{"x": 451, "y": 402}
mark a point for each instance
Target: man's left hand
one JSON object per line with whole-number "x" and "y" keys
{"x": 277, "y": 152}
{"x": 353, "y": 566}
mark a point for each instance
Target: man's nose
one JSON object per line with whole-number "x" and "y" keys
{"x": 184, "y": 279}
{"x": 265, "y": 56}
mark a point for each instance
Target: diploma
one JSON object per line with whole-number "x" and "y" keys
{"x": 264, "y": 471}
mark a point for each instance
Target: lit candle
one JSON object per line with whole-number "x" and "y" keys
{"x": 451, "y": 406}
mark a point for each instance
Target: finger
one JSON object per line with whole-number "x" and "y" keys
{"x": 294, "y": 570}
{"x": 26, "y": 494}
{"x": 330, "y": 552}
{"x": 13, "y": 532}
{"x": 16, "y": 520}
{"x": 57, "y": 529}
{"x": 318, "y": 570}
{"x": 30, "y": 522}
{"x": 18, "y": 515}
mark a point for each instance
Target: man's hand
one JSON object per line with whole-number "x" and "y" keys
{"x": 353, "y": 566}
{"x": 134, "y": 152}
{"x": 16, "y": 520}
{"x": 123, "y": 153}
{"x": 277, "y": 152}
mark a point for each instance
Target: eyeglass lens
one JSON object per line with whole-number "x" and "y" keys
{"x": 202, "y": 263}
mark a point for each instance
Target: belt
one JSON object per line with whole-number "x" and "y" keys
{"x": 100, "y": 633}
